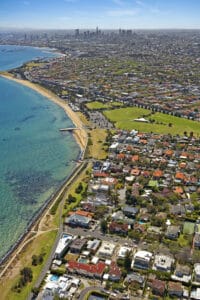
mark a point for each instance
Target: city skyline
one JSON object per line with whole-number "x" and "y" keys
{"x": 106, "y": 14}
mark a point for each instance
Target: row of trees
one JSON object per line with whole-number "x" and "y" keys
{"x": 26, "y": 276}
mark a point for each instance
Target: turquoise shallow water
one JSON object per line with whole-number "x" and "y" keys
{"x": 35, "y": 156}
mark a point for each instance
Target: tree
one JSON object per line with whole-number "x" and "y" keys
{"x": 34, "y": 260}
{"x": 104, "y": 226}
{"x": 26, "y": 275}
{"x": 133, "y": 234}
{"x": 100, "y": 211}
{"x": 79, "y": 188}
{"x": 191, "y": 134}
{"x": 71, "y": 199}
{"x": 127, "y": 261}
{"x": 35, "y": 291}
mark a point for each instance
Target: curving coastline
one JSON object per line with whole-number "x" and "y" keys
{"x": 80, "y": 134}
{"x": 81, "y": 138}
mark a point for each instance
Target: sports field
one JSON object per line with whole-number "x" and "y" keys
{"x": 124, "y": 118}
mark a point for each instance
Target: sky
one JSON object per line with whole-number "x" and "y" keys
{"x": 106, "y": 14}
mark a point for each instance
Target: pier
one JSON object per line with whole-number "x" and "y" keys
{"x": 69, "y": 129}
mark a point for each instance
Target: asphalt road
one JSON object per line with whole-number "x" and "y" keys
{"x": 96, "y": 233}
{"x": 90, "y": 289}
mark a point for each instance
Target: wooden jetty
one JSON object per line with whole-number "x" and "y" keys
{"x": 69, "y": 129}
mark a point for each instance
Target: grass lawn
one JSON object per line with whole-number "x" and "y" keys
{"x": 188, "y": 228}
{"x": 124, "y": 119}
{"x": 42, "y": 243}
{"x": 182, "y": 241}
{"x": 96, "y": 149}
{"x": 83, "y": 178}
{"x": 71, "y": 256}
{"x": 153, "y": 183}
{"x": 83, "y": 119}
{"x": 99, "y": 105}
{"x": 33, "y": 64}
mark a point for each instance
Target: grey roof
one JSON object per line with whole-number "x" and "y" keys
{"x": 130, "y": 209}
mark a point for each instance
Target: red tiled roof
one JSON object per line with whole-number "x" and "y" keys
{"x": 139, "y": 227}
{"x": 180, "y": 175}
{"x": 114, "y": 226}
{"x": 100, "y": 174}
{"x": 182, "y": 165}
{"x": 158, "y": 286}
{"x": 109, "y": 181}
{"x": 120, "y": 156}
{"x": 89, "y": 268}
{"x": 169, "y": 152}
{"x": 184, "y": 154}
{"x": 135, "y": 157}
{"x": 158, "y": 173}
{"x": 114, "y": 270}
{"x": 143, "y": 141}
{"x": 146, "y": 173}
{"x": 81, "y": 213}
{"x": 135, "y": 172}
{"x": 129, "y": 148}
{"x": 178, "y": 190}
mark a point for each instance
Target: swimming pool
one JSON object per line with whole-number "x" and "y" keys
{"x": 83, "y": 260}
{"x": 54, "y": 278}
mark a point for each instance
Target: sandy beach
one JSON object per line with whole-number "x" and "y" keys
{"x": 80, "y": 135}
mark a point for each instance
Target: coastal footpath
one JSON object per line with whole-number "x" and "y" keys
{"x": 35, "y": 228}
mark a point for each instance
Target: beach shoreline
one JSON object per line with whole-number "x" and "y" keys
{"x": 80, "y": 134}
{"x": 81, "y": 138}
{"x": 9, "y": 258}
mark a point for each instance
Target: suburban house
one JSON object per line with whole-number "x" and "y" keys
{"x": 93, "y": 245}
{"x": 77, "y": 220}
{"x": 114, "y": 272}
{"x": 106, "y": 250}
{"x": 157, "y": 286}
{"x": 142, "y": 260}
{"x": 182, "y": 273}
{"x": 196, "y": 277}
{"x": 77, "y": 246}
{"x": 163, "y": 263}
{"x": 175, "y": 289}
{"x": 88, "y": 270}
{"x": 118, "y": 228}
{"x": 63, "y": 245}
{"x": 172, "y": 232}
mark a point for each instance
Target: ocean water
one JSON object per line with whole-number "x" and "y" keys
{"x": 35, "y": 156}
{"x": 14, "y": 56}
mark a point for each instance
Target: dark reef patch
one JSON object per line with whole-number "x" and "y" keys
{"x": 29, "y": 185}
{"x": 27, "y": 118}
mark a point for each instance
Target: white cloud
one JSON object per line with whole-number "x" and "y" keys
{"x": 123, "y": 12}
